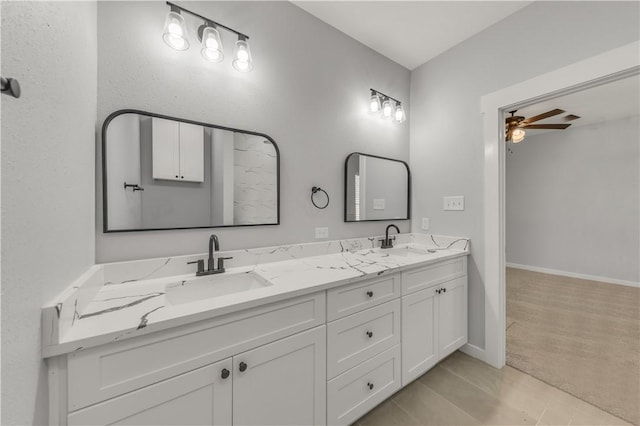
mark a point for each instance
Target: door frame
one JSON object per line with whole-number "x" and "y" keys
{"x": 609, "y": 66}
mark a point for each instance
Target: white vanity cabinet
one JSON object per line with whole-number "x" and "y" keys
{"x": 265, "y": 365}
{"x": 177, "y": 150}
{"x": 434, "y": 317}
{"x": 325, "y": 358}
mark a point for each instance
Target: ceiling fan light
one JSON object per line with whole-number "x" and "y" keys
{"x": 517, "y": 135}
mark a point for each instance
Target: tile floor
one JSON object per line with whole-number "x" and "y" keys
{"x": 464, "y": 391}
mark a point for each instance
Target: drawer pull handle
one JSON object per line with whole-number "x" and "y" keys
{"x": 243, "y": 366}
{"x": 225, "y": 373}
{"x": 370, "y": 293}
{"x": 370, "y": 334}
{"x": 370, "y": 386}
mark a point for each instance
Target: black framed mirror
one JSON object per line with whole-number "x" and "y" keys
{"x": 161, "y": 173}
{"x": 376, "y": 188}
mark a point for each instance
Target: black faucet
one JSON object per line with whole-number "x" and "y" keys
{"x": 214, "y": 246}
{"x": 387, "y": 243}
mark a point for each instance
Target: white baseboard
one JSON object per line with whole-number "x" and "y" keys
{"x": 474, "y": 351}
{"x": 573, "y": 275}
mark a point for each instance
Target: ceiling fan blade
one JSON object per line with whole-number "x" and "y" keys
{"x": 543, "y": 116}
{"x": 571, "y": 117}
{"x": 546, "y": 126}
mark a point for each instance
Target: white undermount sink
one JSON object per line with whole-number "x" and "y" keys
{"x": 405, "y": 251}
{"x": 199, "y": 288}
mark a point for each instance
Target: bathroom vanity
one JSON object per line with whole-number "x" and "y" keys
{"x": 307, "y": 334}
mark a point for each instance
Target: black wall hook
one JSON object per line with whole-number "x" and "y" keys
{"x": 10, "y": 86}
{"x": 314, "y": 191}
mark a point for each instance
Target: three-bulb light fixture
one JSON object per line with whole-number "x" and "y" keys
{"x": 382, "y": 104}
{"x": 175, "y": 36}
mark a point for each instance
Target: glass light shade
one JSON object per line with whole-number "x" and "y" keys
{"x": 398, "y": 115}
{"x": 517, "y": 135}
{"x": 374, "y": 105}
{"x": 386, "y": 108}
{"x": 175, "y": 32}
{"x": 242, "y": 60}
{"x": 211, "y": 48}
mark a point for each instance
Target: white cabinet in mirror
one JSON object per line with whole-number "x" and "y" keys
{"x": 161, "y": 172}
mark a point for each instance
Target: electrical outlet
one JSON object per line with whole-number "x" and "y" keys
{"x": 454, "y": 203}
{"x": 322, "y": 232}
{"x": 425, "y": 223}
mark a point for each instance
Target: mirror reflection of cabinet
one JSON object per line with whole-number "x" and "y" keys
{"x": 186, "y": 174}
{"x": 178, "y": 150}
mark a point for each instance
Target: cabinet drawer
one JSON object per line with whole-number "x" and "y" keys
{"x": 419, "y": 278}
{"x": 360, "y": 389}
{"x": 110, "y": 370}
{"x": 355, "y": 297}
{"x": 358, "y": 337}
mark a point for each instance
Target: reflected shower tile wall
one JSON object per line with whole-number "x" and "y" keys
{"x": 255, "y": 181}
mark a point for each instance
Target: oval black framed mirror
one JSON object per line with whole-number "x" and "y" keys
{"x": 162, "y": 173}
{"x": 376, "y": 188}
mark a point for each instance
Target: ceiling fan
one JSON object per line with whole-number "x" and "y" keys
{"x": 515, "y": 125}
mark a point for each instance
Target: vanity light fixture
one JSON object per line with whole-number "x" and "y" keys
{"x": 374, "y": 105}
{"x": 386, "y": 108}
{"x": 242, "y": 60}
{"x": 175, "y": 31}
{"x": 390, "y": 108}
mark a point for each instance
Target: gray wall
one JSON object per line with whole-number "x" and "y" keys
{"x": 572, "y": 200}
{"x": 309, "y": 91}
{"x": 48, "y": 144}
{"x": 447, "y": 147}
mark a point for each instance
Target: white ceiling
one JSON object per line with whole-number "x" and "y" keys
{"x": 608, "y": 102}
{"x": 411, "y": 32}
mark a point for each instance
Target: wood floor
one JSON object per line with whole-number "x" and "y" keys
{"x": 464, "y": 391}
{"x": 579, "y": 335}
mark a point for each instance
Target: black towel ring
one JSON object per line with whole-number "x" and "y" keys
{"x": 315, "y": 190}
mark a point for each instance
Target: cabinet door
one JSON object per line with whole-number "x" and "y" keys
{"x": 419, "y": 333}
{"x": 191, "y": 152}
{"x": 199, "y": 397}
{"x": 452, "y": 316}
{"x": 165, "y": 156}
{"x": 282, "y": 383}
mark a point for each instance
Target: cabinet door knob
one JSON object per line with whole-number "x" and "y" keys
{"x": 176, "y": 176}
{"x": 444, "y": 290}
{"x": 370, "y": 386}
{"x": 438, "y": 290}
{"x": 242, "y": 366}
{"x": 225, "y": 373}
{"x": 370, "y": 334}
{"x": 370, "y": 293}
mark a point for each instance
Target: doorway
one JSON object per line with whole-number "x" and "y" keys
{"x": 572, "y": 237}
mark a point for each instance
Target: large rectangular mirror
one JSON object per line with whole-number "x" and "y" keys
{"x": 161, "y": 172}
{"x": 376, "y": 188}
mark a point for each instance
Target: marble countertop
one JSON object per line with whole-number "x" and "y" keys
{"x": 132, "y": 307}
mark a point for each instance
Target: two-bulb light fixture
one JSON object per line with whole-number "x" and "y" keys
{"x": 387, "y": 106}
{"x": 175, "y": 36}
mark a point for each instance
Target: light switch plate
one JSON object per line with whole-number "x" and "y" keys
{"x": 322, "y": 232}
{"x": 454, "y": 202}
{"x": 425, "y": 223}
